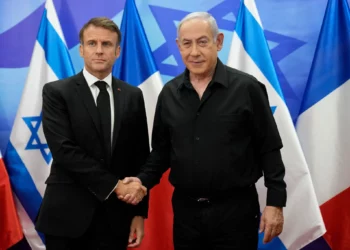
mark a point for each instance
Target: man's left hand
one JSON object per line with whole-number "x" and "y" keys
{"x": 136, "y": 231}
{"x": 271, "y": 223}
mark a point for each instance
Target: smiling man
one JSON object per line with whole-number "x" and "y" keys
{"x": 214, "y": 128}
{"x": 95, "y": 126}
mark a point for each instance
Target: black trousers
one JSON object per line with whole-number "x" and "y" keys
{"x": 101, "y": 235}
{"x": 223, "y": 223}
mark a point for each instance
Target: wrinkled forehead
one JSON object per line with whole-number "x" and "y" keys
{"x": 195, "y": 29}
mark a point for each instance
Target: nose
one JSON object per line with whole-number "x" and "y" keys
{"x": 194, "y": 50}
{"x": 99, "y": 48}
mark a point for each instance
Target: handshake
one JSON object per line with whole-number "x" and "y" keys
{"x": 130, "y": 190}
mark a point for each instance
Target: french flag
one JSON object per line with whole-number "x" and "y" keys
{"x": 323, "y": 125}
{"x": 10, "y": 227}
{"x": 136, "y": 66}
{"x": 28, "y": 157}
{"x": 250, "y": 53}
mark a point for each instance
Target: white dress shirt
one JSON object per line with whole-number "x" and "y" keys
{"x": 90, "y": 79}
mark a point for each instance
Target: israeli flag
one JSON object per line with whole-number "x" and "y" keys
{"x": 250, "y": 53}
{"x": 323, "y": 125}
{"x": 28, "y": 157}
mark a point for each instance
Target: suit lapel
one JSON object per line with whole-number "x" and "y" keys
{"x": 118, "y": 96}
{"x": 85, "y": 94}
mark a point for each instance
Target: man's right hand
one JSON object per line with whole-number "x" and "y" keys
{"x": 130, "y": 190}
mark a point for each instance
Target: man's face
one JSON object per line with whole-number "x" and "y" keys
{"x": 99, "y": 50}
{"x": 198, "y": 49}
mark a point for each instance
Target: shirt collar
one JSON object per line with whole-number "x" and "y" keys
{"x": 219, "y": 76}
{"x": 91, "y": 79}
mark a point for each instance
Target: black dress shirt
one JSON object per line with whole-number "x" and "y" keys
{"x": 226, "y": 140}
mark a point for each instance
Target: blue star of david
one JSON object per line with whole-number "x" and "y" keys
{"x": 166, "y": 18}
{"x": 34, "y": 142}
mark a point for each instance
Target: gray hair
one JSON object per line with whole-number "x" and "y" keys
{"x": 203, "y": 16}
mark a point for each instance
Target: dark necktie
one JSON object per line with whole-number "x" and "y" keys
{"x": 104, "y": 108}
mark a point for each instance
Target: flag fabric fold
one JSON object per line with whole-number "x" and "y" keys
{"x": 137, "y": 67}
{"x": 10, "y": 227}
{"x": 250, "y": 53}
{"x": 324, "y": 122}
{"x": 28, "y": 157}
{"x": 136, "y": 64}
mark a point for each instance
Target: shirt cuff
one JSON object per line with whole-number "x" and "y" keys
{"x": 111, "y": 191}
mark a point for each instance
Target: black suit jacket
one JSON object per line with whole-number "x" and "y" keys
{"x": 82, "y": 175}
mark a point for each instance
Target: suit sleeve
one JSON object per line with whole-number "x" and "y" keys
{"x": 268, "y": 144}
{"x": 142, "y": 151}
{"x": 86, "y": 170}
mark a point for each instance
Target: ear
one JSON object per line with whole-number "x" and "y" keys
{"x": 219, "y": 41}
{"x": 81, "y": 50}
{"x": 117, "y": 52}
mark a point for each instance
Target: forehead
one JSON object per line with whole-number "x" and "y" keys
{"x": 99, "y": 33}
{"x": 195, "y": 28}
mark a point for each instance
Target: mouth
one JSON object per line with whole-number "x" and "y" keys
{"x": 98, "y": 60}
{"x": 196, "y": 62}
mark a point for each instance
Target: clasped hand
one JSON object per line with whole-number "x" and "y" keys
{"x": 130, "y": 190}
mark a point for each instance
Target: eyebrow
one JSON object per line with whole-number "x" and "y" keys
{"x": 202, "y": 37}
{"x": 102, "y": 41}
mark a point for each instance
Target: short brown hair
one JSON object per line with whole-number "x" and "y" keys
{"x": 102, "y": 22}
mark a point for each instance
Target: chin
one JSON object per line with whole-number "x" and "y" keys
{"x": 196, "y": 71}
{"x": 99, "y": 69}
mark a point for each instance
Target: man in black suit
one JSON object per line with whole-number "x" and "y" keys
{"x": 96, "y": 129}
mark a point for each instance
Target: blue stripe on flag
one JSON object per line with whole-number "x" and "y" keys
{"x": 330, "y": 68}
{"x": 136, "y": 62}
{"x": 258, "y": 51}
{"x": 57, "y": 56}
{"x": 275, "y": 244}
{"x": 22, "y": 183}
